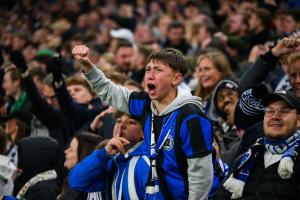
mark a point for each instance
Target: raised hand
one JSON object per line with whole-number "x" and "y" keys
{"x": 286, "y": 45}
{"x": 80, "y": 53}
{"x": 97, "y": 123}
{"x": 116, "y": 144}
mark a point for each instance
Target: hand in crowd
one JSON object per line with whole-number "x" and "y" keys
{"x": 80, "y": 53}
{"x": 256, "y": 51}
{"x": 286, "y": 45}
{"x": 116, "y": 144}
{"x": 97, "y": 123}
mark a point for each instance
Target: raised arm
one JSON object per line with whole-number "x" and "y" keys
{"x": 260, "y": 70}
{"x": 109, "y": 92}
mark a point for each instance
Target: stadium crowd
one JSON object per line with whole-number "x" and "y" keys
{"x": 144, "y": 99}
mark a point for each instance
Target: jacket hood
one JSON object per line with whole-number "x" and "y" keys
{"x": 184, "y": 97}
{"x": 35, "y": 155}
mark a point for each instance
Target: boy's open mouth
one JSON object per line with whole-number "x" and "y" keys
{"x": 151, "y": 88}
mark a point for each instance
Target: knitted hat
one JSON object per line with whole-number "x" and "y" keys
{"x": 229, "y": 84}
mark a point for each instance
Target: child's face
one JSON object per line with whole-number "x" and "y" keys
{"x": 161, "y": 81}
{"x": 130, "y": 129}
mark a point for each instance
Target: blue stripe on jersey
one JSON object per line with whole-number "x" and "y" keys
{"x": 135, "y": 107}
{"x": 137, "y": 103}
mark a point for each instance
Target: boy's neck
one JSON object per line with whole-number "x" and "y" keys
{"x": 160, "y": 105}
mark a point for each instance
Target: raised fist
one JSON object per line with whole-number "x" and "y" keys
{"x": 80, "y": 53}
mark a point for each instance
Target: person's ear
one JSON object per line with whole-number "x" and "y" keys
{"x": 177, "y": 78}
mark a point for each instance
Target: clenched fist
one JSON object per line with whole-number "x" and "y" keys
{"x": 80, "y": 53}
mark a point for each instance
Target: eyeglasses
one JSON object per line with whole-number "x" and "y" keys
{"x": 283, "y": 112}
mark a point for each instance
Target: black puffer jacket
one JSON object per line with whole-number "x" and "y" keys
{"x": 37, "y": 155}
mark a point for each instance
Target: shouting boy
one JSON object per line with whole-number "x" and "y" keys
{"x": 177, "y": 135}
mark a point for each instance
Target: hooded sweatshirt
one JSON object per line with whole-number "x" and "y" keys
{"x": 121, "y": 176}
{"x": 37, "y": 155}
{"x": 193, "y": 130}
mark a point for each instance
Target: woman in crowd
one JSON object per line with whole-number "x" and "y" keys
{"x": 82, "y": 144}
{"x": 211, "y": 68}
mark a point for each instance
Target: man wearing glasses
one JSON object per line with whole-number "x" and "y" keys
{"x": 270, "y": 169}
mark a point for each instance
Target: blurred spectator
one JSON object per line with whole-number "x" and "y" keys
{"x": 292, "y": 20}
{"x": 259, "y": 27}
{"x": 205, "y": 36}
{"x": 17, "y": 126}
{"x": 175, "y": 37}
{"x": 212, "y": 67}
{"x": 238, "y": 25}
{"x": 82, "y": 144}
{"x": 38, "y": 157}
{"x": 138, "y": 63}
{"x": 225, "y": 99}
{"x": 123, "y": 56}
{"x": 13, "y": 90}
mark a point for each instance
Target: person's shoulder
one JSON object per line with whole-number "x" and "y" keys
{"x": 191, "y": 109}
{"x": 139, "y": 96}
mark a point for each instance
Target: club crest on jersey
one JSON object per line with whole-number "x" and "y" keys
{"x": 168, "y": 146}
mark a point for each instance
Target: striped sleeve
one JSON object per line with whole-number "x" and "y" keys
{"x": 196, "y": 134}
{"x": 138, "y": 103}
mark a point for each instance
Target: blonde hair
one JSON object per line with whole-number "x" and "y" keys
{"x": 292, "y": 58}
{"x": 220, "y": 62}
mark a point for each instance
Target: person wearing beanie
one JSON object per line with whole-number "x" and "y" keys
{"x": 270, "y": 169}
{"x": 225, "y": 98}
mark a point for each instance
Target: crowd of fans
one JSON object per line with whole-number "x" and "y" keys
{"x": 230, "y": 54}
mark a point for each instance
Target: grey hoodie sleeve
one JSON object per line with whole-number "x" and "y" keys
{"x": 109, "y": 92}
{"x": 200, "y": 177}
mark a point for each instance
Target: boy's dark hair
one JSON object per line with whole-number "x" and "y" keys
{"x": 171, "y": 57}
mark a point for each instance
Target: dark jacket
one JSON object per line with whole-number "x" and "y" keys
{"x": 183, "y": 46}
{"x": 229, "y": 146}
{"x": 53, "y": 119}
{"x": 80, "y": 114}
{"x": 265, "y": 184}
{"x": 263, "y": 70}
{"x": 70, "y": 194}
{"x": 37, "y": 155}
